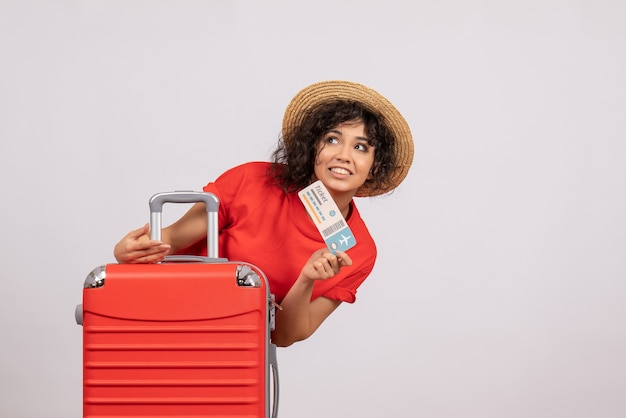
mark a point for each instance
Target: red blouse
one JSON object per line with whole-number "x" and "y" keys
{"x": 262, "y": 225}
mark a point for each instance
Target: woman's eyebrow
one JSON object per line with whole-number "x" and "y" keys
{"x": 358, "y": 138}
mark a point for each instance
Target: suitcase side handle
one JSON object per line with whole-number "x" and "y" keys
{"x": 211, "y": 202}
{"x": 273, "y": 360}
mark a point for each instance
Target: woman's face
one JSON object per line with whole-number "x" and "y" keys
{"x": 344, "y": 158}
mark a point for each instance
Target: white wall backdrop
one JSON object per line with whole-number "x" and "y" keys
{"x": 500, "y": 289}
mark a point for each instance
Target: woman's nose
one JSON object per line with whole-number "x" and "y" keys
{"x": 343, "y": 153}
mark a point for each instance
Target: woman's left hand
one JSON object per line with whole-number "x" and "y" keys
{"x": 323, "y": 264}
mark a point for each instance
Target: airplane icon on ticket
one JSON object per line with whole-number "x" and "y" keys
{"x": 344, "y": 240}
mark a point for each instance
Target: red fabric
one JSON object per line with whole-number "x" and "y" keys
{"x": 262, "y": 225}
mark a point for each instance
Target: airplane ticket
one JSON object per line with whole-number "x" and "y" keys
{"x": 327, "y": 217}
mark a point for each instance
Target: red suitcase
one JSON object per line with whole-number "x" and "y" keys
{"x": 189, "y": 337}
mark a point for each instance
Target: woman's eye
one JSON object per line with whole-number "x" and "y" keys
{"x": 361, "y": 147}
{"x": 332, "y": 140}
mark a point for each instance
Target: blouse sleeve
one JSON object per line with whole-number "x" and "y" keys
{"x": 231, "y": 184}
{"x": 345, "y": 291}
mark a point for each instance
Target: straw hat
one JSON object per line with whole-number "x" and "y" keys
{"x": 327, "y": 91}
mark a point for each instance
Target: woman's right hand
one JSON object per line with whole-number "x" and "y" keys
{"x": 137, "y": 247}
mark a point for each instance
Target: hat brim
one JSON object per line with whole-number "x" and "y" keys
{"x": 327, "y": 91}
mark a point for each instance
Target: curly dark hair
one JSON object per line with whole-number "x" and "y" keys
{"x": 294, "y": 157}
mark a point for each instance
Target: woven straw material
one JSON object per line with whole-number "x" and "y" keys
{"x": 328, "y": 91}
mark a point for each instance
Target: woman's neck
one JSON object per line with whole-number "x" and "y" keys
{"x": 343, "y": 203}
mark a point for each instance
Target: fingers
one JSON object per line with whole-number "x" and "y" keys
{"x": 344, "y": 258}
{"x": 147, "y": 258}
{"x": 137, "y": 247}
{"x": 137, "y": 233}
{"x": 324, "y": 268}
{"x": 147, "y": 255}
{"x": 323, "y": 264}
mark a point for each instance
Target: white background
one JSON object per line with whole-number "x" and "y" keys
{"x": 500, "y": 287}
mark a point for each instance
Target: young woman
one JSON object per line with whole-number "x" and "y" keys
{"x": 342, "y": 133}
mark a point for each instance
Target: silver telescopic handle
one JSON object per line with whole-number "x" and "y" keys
{"x": 211, "y": 203}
